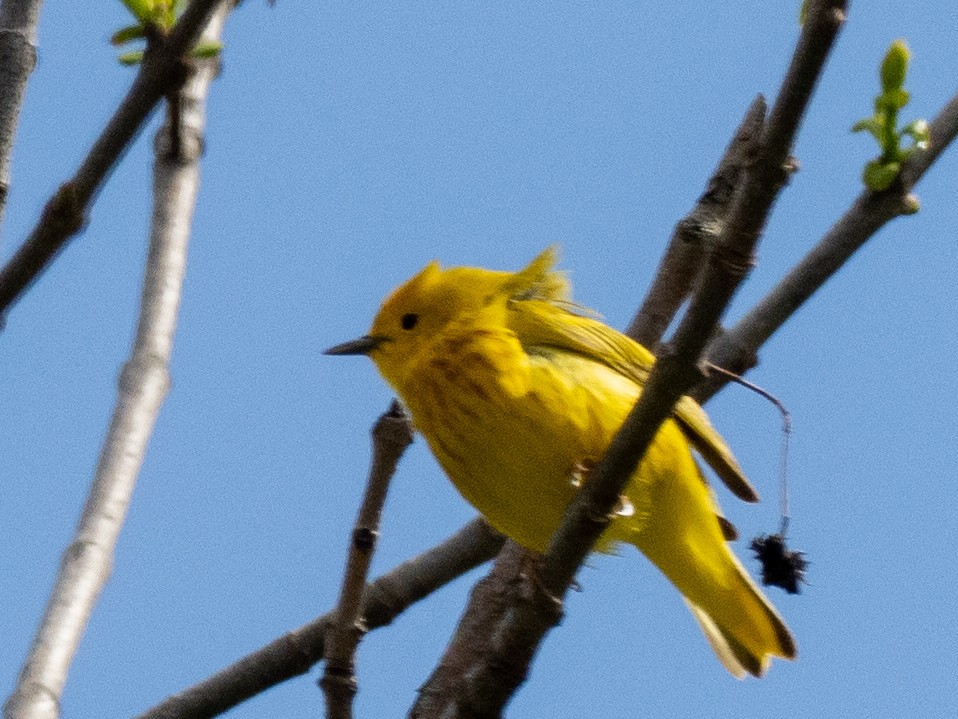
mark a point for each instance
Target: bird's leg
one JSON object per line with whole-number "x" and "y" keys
{"x": 580, "y": 473}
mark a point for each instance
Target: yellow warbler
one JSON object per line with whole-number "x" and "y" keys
{"x": 518, "y": 392}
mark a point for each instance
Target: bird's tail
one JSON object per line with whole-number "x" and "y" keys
{"x": 739, "y": 622}
{"x": 742, "y": 627}
{"x": 684, "y": 539}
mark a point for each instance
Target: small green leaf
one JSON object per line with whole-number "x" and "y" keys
{"x": 878, "y": 176}
{"x": 208, "y": 48}
{"x": 872, "y": 125}
{"x": 880, "y": 173}
{"x": 127, "y": 34}
{"x": 166, "y": 19}
{"x": 131, "y": 58}
{"x": 892, "y": 100}
{"x": 895, "y": 66}
{"x": 142, "y": 10}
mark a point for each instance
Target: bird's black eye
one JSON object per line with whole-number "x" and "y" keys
{"x": 409, "y": 320}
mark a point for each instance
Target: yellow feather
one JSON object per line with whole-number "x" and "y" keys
{"x": 518, "y": 393}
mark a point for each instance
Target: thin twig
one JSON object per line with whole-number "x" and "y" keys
{"x": 483, "y": 688}
{"x": 295, "y": 653}
{"x": 392, "y": 434}
{"x": 144, "y": 379}
{"x": 163, "y": 71}
{"x": 737, "y": 349}
{"x": 18, "y": 48}
{"x": 694, "y": 236}
{"x": 786, "y": 433}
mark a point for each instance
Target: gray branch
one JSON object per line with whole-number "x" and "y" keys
{"x": 694, "y": 237}
{"x": 18, "y": 57}
{"x": 143, "y": 383}
{"x": 162, "y": 72}
{"x": 497, "y": 661}
{"x": 295, "y": 653}
{"x": 737, "y": 349}
{"x": 392, "y": 434}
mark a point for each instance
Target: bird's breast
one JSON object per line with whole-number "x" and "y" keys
{"x": 511, "y": 426}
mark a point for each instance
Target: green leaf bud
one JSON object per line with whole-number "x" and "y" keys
{"x": 894, "y": 66}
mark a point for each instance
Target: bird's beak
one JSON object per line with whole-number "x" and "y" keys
{"x": 361, "y": 346}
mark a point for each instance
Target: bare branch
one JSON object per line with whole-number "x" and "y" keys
{"x": 455, "y": 688}
{"x": 18, "y": 48}
{"x": 144, "y": 379}
{"x": 163, "y": 71}
{"x": 737, "y": 349}
{"x": 295, "y": 653}
{"x": 694, "y": 236}
{"x": 392, "y": 434}
{"x": 677, "y": 369}
{"x": 482, "y": 688}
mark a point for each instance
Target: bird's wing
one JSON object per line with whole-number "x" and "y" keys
{"x": 709, "y": 443}
{"x": 541, "y": 323}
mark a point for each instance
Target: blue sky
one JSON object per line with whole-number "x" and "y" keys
{"x": 345, "y": 149}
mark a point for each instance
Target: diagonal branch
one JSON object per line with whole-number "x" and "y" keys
{"x": 737, "y": 349}
{"x": 163, "y": 72}
{"x": 144, "y": 379}
{"x": 295, "y": 653}
{"x": 392, "y": 434}
{"x": 18, "y": 48}
{"x": 677, "y": 370}
{"x": 484, "y": 684}
{"x": 694, "y": 237}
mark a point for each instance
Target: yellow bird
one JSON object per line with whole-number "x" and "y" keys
{"x": 518, "y": 392}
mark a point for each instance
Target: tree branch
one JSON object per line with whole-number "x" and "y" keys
{"x": 456, "y": 688}
{"x": 144, "y": 379}
{"x": 392, "y": 434}
{"x": 18, "y": 50}
{"x": 295, "y": 653}
{"x": 162, "y": 72}
{"x": 482, "y": 688}
{"x": 694, "y": 236}
{"x": 737, "y": 349}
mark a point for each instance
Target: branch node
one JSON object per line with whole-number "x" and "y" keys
{"x": 837, "y": 16}
{"x": 910, "y": 204}
{"x": 364, "y": 539}
{"x": 791, "y": 165}
{"x": 734, "y": 260}
{"x": 339, "y": 680}
{"x": 692, "y": 230}
{"x": 177, "y": 143}
{"x": 65, "y": 210}
{"x": 393, "y": 428}
{"x": 533, "y": 590}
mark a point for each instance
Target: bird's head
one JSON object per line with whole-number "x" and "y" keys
{"x": 417, "y": 312}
